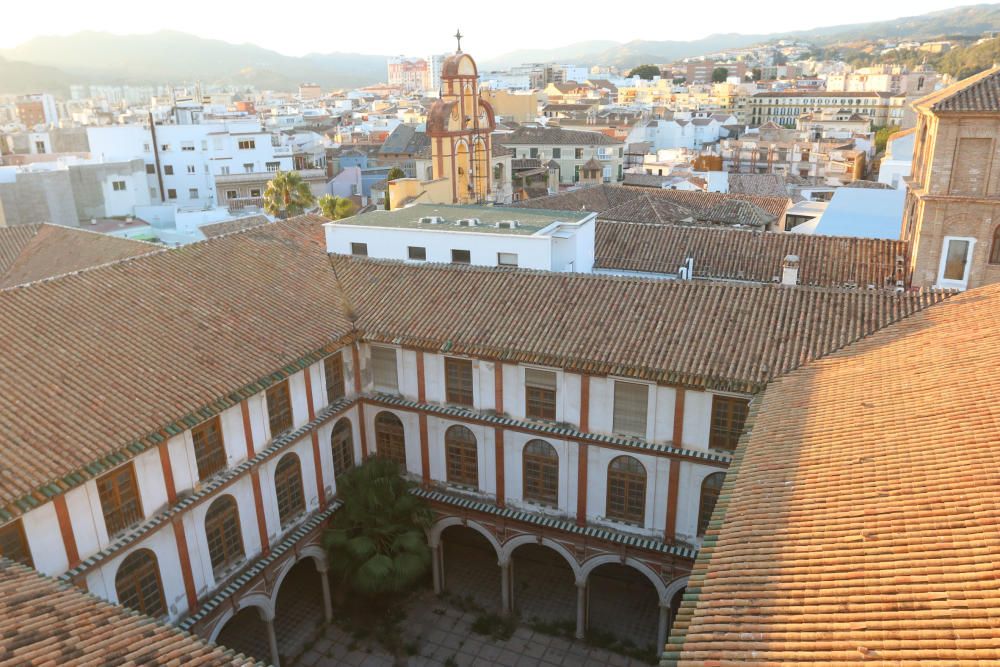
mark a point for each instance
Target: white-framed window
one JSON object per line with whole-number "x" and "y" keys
{"x": 384, "y": 373}
{"x": 507, "y": 259}
{"x": 956, "y": 262}
{"x": 192, "y": 193}
{"x": 118, "y": 186}
{"x": 190, "y": 167}
{"x": 224, "y": 171}
{"x": 272, "y": 166}
{"x": 247, "y": 144}
{"x": 631, "y": 404}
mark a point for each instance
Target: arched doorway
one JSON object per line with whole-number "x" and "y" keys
{"x": 463, "y": 167}
{"x": 544, "y": 585}
{"x": 623, "y": 603}
{"x": 298, "y": 608}
{"x": 246, "y": 633}
{"x": 470, "y": 566}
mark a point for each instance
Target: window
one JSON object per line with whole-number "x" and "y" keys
{"x": 416, "y": 253}
{"x": 255, "y": 192}
{"x": 995, "y": 249}
{"x": 556, "y": 153}
{"x": 14, "y": 544}
{"x": 461, "y": 257}
{"x": 627, "y": 490}
{"x": 539, "y": 394}
{"x": 359, "y": 249}
{"x": 246, "y": 144}
{"x": 164, "y": 147}
{"x": 222, "y": 528}
{"x": 541, "y": 472}
{"x": 458, "y": 381}
{"x": 288, "y": 489}
{"x": 631, "y": 402}
{"x": 342, "y": 444}
{"x": 168, "y": 169}
{"x": 333, "y": 369}
{"x": 138, "y": 584}
{"x": 390, "y": 440}
{"x": 728, "y": 416}
{"x": 955, "y": 261}
{"x": 187, "y": 145}
{"x": 248, "y": 168}
{"x": 710, "y": 488}
{"x": 145, "y": 148}
{"x": 119, "y": 499}
{"x": 272, "y": 166}
{"x": 533, "y": 152}
{"x": 231, "y": 194}
{"x": 224, "y": 171}
{"x": 384, "y": 369}
{"x": 150, "y": 168}
{"x": 507, "y": 258}
{"x": 171, "y": 193}
{"x": 192, "y": 193}
{"x": 279, "y": 408}
{"x": 209, "y": 450}
{"x": 578, "y": 153}
{"x": 461, "y": 456}
{"x": 118, "y": 186}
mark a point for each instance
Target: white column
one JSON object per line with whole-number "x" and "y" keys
{"x": 661, "y": 628}
{"x": 436, "y": 568}
{"x": 505, "y": 601}
{"x": 581, "y": 609}
{"x": 325, "y": 583}
{"x": 272, "y": 639}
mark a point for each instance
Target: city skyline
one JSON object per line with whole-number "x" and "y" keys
{"x": 426, "y": 33}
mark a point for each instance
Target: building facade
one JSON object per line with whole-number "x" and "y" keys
{"x": 784, "y": 108}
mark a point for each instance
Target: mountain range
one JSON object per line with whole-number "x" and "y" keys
{"x": 53, "y": 63}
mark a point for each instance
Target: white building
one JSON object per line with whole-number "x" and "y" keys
{"x": 684, "y": 130}
{"x": 898, "y": 161}
{"x": 182, "y": 161}
{"x": 484, "y": 236}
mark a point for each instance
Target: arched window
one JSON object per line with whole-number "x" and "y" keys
{"x": 138, "y": 584}
{"x": 222, "y": 528}
{"x": 288, "y": 488}
{"x": 541, "y": 472}
{"x": 390, "y": 442}
{"x": 461, "y": 456}
{"x": 995, "y": 248}
{"x": 342, "y": 443}
{"x": 627, "y": 490}
{"x": 710, "y": 488}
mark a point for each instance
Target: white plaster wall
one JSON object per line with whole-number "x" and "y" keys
{"x": 164, "y": 546}
{"x": 326, "y": 449}
{"x": 259, "y": 427}
{"x": 434, "y": 378}
{"x": 666, "y": 398}
{"x": 152, "y": 486}
{"x": 406, "y": 369}
{"x": 300, "y": 402}
{"x": 697, "y": 419}
{"x": 87, "y": 519}
{"x": 689, "y": 498}
{"x": 41, "y": 529}
{"x": 303, "y": 449}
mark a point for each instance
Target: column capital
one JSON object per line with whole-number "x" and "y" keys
{"x": 504, "y": 562}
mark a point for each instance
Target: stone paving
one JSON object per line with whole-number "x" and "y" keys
{"x": 437, "y": 632}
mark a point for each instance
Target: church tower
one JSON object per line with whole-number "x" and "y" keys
{"x": 460, "y": 126}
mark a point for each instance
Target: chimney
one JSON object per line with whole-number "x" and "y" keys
{"x": 790, "y": 270}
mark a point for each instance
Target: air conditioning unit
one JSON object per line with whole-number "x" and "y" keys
{"x": 468, "y": 222}
{"x": 508, "y": 224}
{"x": 431, "y": 220}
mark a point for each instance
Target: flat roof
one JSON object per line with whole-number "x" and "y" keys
{"x": 530, "y": 221}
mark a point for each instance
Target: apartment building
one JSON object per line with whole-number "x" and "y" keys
{"x": 783, "y": 108}
{"x": 582, "y": 157}
{"x": 834, "y": 162}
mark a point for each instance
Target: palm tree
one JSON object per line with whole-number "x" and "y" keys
{"x": 376, "y": 541}
{"x": 336, "y": 208}
{"x": 287, "y": 194}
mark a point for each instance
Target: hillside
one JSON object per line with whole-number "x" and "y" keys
{"x": 21, "y": 77}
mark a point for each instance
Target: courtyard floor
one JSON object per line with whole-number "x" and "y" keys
{"x": 439, "y": 631}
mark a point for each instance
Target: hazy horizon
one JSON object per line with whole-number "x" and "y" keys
{"x": 488, "y": 34}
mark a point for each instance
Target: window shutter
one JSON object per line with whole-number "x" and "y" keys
{"x": 384, "y": 368}
{"x": 631, "y": 401}
{"x": 540, "y": 379}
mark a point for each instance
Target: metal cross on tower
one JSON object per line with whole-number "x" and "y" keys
{"x": 458, "y": 36}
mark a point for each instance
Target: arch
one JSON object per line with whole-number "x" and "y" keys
{"x": 224, "y": 533}
{"x": 662, "y": 590}
{"x": 342, "y": 446}
{"x": 258, "y": 600}
{"x": 511, "y": 545}
{"x": 138, "y": 585}
{"x": 540, "y": 472}
{"x": 390, "y": 438}
{"x": 678, "y": 584}
{"x": 626, "y": 499}
{"x": 711, "y": 486}
{"x": 288, "y": 489}
{"x": 244, "y": 631}
{"x": 434, "y": 534}
{"x": 995, "y": 247}
{"x": 461, "y": 455}
{"x": 313, "y": 552}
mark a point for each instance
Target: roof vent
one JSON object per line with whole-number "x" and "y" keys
{"x": 431, "y": 220}
{"x": 508, "y": 224}
{"x": 468, "y": 222}
{"x": 790, "y": 270}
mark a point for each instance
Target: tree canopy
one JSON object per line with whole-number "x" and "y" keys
{"x": 287, "y": 195}
{"x": 336, "y": 208}
{"x": 646, "y": 72}
{"x": 719, "y": 75}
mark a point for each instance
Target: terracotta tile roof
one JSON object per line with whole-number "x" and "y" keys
{"x": 977, "y": 93}
{"x": 34, "y": 252}
{"x": 600, "y": 198}
{"x": 700, "y": 334}
{"x": 734, "y": 254}
{"x": 761, "y": 185}
{"x": 174, "y": 331}
{"x": 51, "y": 623}
{"x": 859, "y": 520}
{"x": 649, "y": 209}
{"x": 230, "y": 226}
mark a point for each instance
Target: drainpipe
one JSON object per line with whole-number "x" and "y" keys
{"x": 156, "y": 157}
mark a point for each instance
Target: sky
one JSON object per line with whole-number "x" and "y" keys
{"x": 404, "y": 27}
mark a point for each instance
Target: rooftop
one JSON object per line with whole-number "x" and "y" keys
{"x": 555, "y": 136}
{"x": 529, "y": 221}
{"x": 858, "y": 522}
